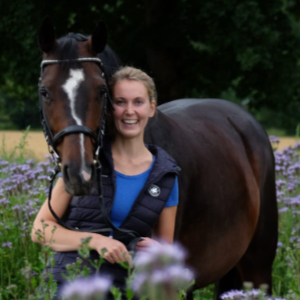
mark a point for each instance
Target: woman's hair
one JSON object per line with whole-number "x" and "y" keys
{"x": 130, "y": 73}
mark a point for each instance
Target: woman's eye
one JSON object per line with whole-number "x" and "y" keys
{"x": 119, "y": 102}
{"x": 139, "y": 102}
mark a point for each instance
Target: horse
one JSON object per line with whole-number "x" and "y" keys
{"x": 227, "y": 215}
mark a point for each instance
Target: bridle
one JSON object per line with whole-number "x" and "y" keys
{"x": 53, "y": 140}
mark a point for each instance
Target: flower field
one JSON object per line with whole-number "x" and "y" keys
{"x": 23, "y": 187}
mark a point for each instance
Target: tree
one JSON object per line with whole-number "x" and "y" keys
{"x": 245, "y": 51}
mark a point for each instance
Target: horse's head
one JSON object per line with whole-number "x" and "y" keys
{"x": 72, "y": 95}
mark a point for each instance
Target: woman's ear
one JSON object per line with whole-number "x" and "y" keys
{"x": 153, "y": 108}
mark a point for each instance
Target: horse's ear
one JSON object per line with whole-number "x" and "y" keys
{"x": 98, "y": 39}
{"x": 47, "y": 39}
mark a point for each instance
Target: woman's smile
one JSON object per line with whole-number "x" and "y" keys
{"x": 130, "y": 121}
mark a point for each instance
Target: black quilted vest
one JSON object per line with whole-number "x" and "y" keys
{"x": 84, "y": 212}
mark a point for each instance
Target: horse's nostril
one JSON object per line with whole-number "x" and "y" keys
{"x": 65, "y": 173}
{"x": 86, "y": 175}
{"x": 78, "y": 179}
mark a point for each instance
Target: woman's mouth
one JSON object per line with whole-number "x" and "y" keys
{"x": 130, "y": 121}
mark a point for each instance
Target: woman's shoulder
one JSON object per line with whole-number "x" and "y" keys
{"x": 158, "y": 151}
{"x": 163, "y": 158}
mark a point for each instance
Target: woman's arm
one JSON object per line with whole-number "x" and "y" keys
{"x": 166, "y": 224}
{"x": 67, "y": 240}
{"x": 64, "y": 239}
{"x": 164, "y": 229}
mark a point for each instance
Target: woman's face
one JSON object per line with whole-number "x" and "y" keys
{"x": 132, "y": 108}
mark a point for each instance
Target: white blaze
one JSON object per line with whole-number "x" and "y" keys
{"x": 71, "y": 88}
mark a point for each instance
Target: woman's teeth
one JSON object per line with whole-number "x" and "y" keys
{"x": 130, "y": 121}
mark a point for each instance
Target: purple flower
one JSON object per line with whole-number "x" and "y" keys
{"x": 280, "y": 184}
{"x": 87, "y": 288}
{"x": 159, "y": 253}
{"x": 293, "y": 239}
{"x": 234, "y": 294}
{"x": 297, "y": 146}
{"x": 274, "y": 139}
{"x": 4, "y": 201}
{"x": 34, "y": 273}
{"x": 139, "y": 282}
{"x": 284, "y": 209}
{"x": 160, "y": 271}
{"x": 42, "y": 177}
{"x": 179, "y": 276}
{"x": 255, "y": 293}
{"x": 7, "y": 244}
{"x": 16, "y": 207}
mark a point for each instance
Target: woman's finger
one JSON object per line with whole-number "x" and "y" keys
{"x": 109, "y": 258}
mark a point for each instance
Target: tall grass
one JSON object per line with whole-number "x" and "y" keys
{"x": 23, "y": 188}
{"x": 19, "y": 153}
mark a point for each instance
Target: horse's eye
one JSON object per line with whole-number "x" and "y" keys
{"x": 102, "y": 92}
{"x": 45, "y": 94}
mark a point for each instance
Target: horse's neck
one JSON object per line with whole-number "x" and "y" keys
{"x": 159, "y": 129}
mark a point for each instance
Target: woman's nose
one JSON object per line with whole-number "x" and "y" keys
{"x": 129, "y": 109}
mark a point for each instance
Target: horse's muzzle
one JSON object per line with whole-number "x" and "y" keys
{"x": 79, "y": 180}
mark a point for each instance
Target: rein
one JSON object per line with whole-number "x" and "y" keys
{"x": 53, "y": 140}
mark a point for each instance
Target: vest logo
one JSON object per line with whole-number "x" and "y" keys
{"x": 154, "y": 190}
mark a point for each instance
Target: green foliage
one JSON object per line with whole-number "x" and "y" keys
{"x": 116, "y": 293}
{"x": 233, "y": 49}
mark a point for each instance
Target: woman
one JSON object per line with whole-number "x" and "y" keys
{"x": 139, "y": 186}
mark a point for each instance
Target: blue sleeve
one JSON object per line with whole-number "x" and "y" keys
{"x": 173, "y": 198}
{"x": 59, "y": 175}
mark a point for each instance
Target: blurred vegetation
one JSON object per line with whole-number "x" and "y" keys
{"x": 243, "y": 51}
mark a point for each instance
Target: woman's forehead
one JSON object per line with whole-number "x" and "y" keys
{"x": 130, "y": 88}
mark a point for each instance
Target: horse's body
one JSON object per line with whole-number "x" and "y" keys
{"x": 227, "y": 215}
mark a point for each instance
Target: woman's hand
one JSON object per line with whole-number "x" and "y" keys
{"x": 145, "y": 243}
{"x": 116, "y": 251}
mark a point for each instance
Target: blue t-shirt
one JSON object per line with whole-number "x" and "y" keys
{"x": 128, "y": 189}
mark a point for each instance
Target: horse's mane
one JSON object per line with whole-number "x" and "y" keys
{"x": 67, "y": 50}
{"x": 111, "y": 62}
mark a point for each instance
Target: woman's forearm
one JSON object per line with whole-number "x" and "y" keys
{"x": 63, "y": 239}
{"x": 59, "y": 238}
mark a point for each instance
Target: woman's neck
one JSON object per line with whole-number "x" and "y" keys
{"x": 130, "y": 156}
{"x": 129, "y": 148}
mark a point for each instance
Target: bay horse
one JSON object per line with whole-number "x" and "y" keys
{"x": 227, "y": 216}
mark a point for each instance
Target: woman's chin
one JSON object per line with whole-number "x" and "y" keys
{"x": 130, "y": 134}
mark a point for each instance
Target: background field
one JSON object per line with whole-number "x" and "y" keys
{"x": 36, "y": 145}
{"x": 37, "y": 148}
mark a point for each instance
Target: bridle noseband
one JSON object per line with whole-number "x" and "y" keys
{"x": 53, "y": 140}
